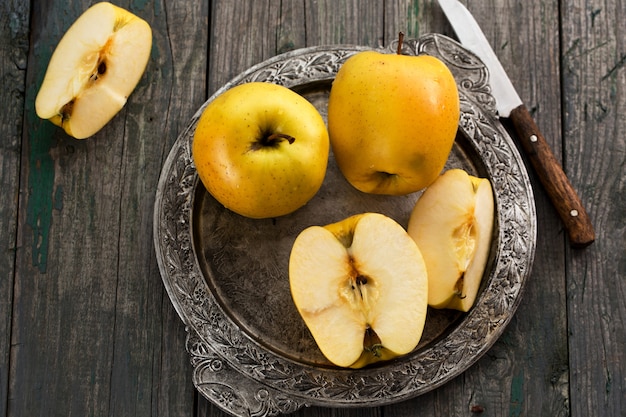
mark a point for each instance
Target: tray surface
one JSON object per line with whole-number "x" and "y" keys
{"x": 227, "y": 275}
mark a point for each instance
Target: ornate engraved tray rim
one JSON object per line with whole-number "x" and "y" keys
{"x": 243, "y": 377}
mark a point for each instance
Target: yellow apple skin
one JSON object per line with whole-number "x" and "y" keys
{"x": 452, "y": 224}
{"x": 392, "y": 121}
{"x": 360, "y": 286}
{"x": 244, "y": 171}
{"x": 94, "y": 68}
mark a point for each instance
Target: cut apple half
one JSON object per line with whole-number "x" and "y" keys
{"x": 360, "y": 286}
{"x": 452, "y": 224}
{"x": 94, "y": 68}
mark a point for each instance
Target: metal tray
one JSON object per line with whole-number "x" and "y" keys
{"x": 227, "y": 276}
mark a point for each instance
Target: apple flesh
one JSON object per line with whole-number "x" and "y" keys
{"x": 94, "y": 68}
{"x": 452, "y": 224}
{"x": 392, "y": 121}
{"x": 360, "y": 286}
{"x": 261, "y": 150}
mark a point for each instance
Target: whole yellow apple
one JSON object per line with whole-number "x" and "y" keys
{"x": 94, "y": 68}
{"x": 360, "y": 286}
{"x": 392, "y": 121}
{"x": 261, "y": 150}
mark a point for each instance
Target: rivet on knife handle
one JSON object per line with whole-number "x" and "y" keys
{"x": 559, "y": 189}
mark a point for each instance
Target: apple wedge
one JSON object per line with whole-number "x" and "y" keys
{"x": 360, "y": 286}
{"x": 94, "y": 68}
{"x": 452, "y": 224}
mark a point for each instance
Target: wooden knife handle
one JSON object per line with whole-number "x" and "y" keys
{"x": 557, "y": 185}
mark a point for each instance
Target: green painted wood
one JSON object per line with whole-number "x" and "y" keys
{"x": 90, "y": 303}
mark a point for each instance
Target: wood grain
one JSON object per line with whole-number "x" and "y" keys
{"x": 89, "y": 299}
{"x": 14, "y": 17}
{"x": 594, "y": 90}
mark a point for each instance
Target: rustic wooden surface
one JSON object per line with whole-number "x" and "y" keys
{"x": 87, "y": 327}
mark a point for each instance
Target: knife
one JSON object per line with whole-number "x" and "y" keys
{"x": 509, "y": 105}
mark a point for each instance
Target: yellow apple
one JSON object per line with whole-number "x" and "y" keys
{"x": 392, "y": 121}
{"x": 94, "y": 68}
{"x": 360, "y": 286}
{"x": 261, "y": 150}
{"x": 452, "y": 224}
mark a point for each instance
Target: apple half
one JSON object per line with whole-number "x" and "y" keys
{"x": 452, "y": 224}
{"x": 94, "y": 68}
{"x": 360, "y": 286}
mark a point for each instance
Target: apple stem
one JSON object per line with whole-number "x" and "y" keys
{"x": 272, "y": 140}
{"x": 277, "y": 137}
{"x": 400, "y": 40}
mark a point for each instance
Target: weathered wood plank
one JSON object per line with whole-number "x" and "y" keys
{"x": 89, "y": 298}
{"x": 242, "y": 34}
{"x": 64, "y": 285}
{"x": 149, "y": 354}
{"x": 534, "y": 348}
{"x": 344, "y": 22}
{"x": 525, "y": 372}
{"x": 412, "y": 17}
{"x": 594, "y": 79}
{"x": 182, "y": 38}
{"x": 246, "y": 33}
{"x": 14, "y": 21}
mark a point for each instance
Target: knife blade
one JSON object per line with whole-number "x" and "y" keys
{"x": 509, "y": 105}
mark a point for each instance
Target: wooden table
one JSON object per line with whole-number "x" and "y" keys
{"x": 87, "y": 327}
